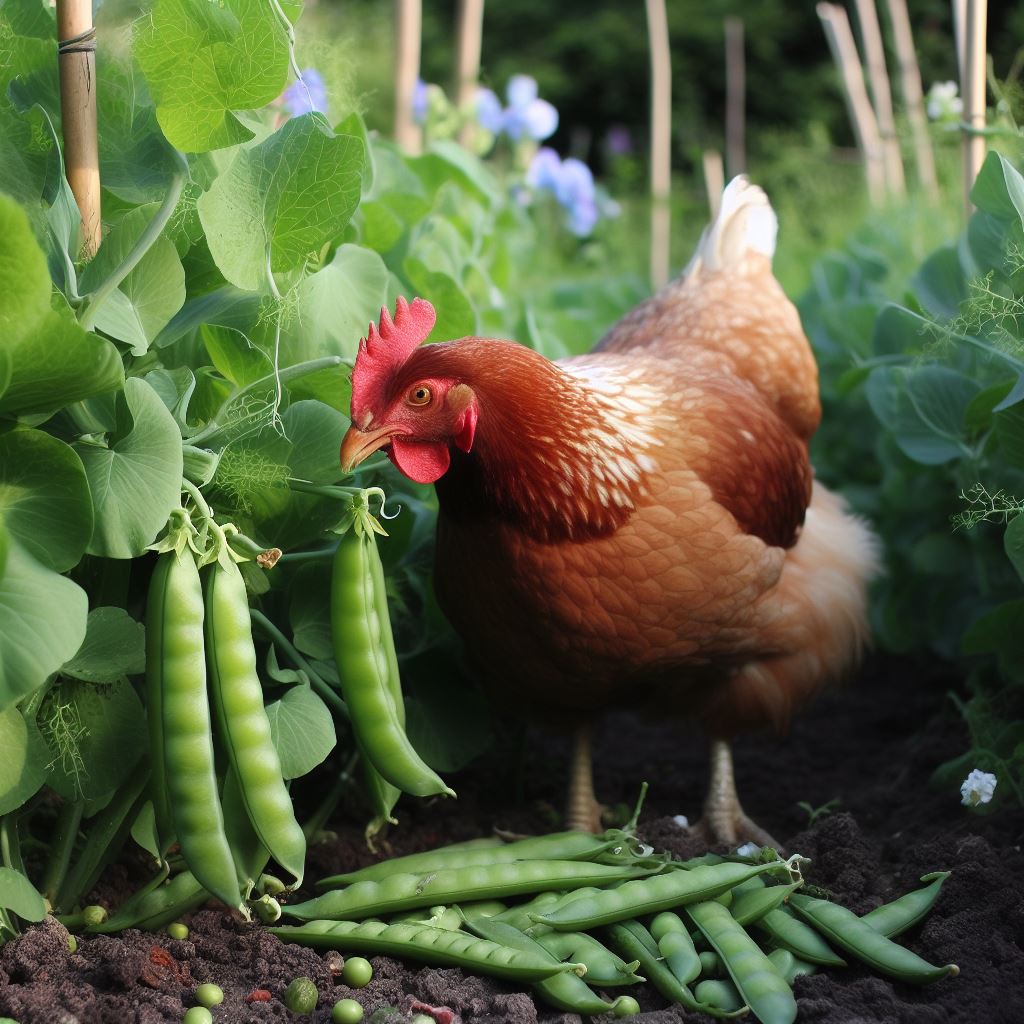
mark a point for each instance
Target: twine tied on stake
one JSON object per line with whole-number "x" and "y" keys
{"x": 84, "y": 42}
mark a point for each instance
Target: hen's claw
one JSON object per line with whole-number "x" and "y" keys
{"x": 582, "y": 812}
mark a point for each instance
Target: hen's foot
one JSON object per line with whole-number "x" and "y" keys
{"x": 582, "y": 811}
{"x": 724, "y": 821}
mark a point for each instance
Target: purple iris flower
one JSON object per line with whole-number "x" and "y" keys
{"x": 306, "y": 94}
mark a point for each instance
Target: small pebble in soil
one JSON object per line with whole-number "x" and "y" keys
{"x": 209, "y": 994}
{"x": 177, "y": 930}
{"x": 301, "y": 996}
{"x": 197, "y": 1015}
{"x": 346, "y": 1011}
{"x": 357, "y": 972}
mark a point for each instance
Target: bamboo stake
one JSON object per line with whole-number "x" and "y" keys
{"x": 959, "y": 34}
{"x": 865, "y": 127}
{"x": 77, "y": 63}
{"x": 661, "y": 140}
{"x": 714, "y": 179}
{"x": 881, "y": 94}
{"x": 735, "y": 96}
{"x": 469, "y": 30}
{"x": 973, "y": 92}
{"x": 408, "y": 29}
{"x": 913, "y": 97}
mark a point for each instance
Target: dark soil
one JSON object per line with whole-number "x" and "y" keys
{"x": 872, "y": 746}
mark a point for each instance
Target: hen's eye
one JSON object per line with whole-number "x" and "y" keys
{"x": 419, "y": 395}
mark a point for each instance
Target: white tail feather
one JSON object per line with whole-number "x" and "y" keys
{"x": 745, "y": 223}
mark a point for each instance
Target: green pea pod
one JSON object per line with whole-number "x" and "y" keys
{"x": 156, "y": 906}
{"x": 250, "y": 855}
{"x": 357, "y": 634}
{"x": 676, "y": 946}
{"x": 759, "y": 985}
{"x": 237, "y": 697}
{"x": 892, "y": 919}
{"x": 846, "y": 930}
{"x": 752, "y": 905}
{"x": 786, "y": 931}
{"x": 632, "y": 939}
{"x": 604, "y": 968}
{"x": 189, "y": 770}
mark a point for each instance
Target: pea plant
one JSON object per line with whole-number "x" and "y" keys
{"x": 177, "y": 605}
{"x": 925, "y": 430}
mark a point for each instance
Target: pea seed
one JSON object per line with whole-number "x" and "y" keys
{"x": 72, "y": 946}
{"x": 357, "y": 972}
{"x": 94, "y": 915}
{"x": 626, "y": 1006}
{"x": 209, "y": 995}
{"x": 177, "y": 930}
{"x": 301, "y": 996}
{"x": 197, "y": 1015}
{"x": 346, "y": 1011}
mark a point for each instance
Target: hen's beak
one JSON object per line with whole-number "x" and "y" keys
{"x": 358, "y": 445}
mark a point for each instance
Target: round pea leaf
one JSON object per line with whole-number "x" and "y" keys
{"x": 44, "y": 497}
{"x": 23, "y": 766}
{"x": 302, "y": 729}
{"x": 136, "y": 481}
{"x": 19, "y": 895}
{"x": 43, "y": 616}
{"x": 115, "y": 646}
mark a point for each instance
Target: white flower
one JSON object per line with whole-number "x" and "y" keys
{"x": 943, "y": 102}
{"x": 682, "y": 820}
{"x": 978, "y": 788}
{"x": 748, "y": 850}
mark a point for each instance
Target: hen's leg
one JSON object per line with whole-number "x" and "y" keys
{"x": 723, "y": 820}
{"x": 582, "y": 810}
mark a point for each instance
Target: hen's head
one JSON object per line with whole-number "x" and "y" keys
{"x": 397, "y": 404}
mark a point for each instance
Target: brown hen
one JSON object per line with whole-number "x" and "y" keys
{"x": 638, "y": 526}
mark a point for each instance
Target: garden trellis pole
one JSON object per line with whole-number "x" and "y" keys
{"x": 973, "y": 92}
{"x": 661, "y": 140}
{"x": 959, "y": 33}
{"x": 77, "y": 64}
{"x": 913, "y": 96}
{"x": 408, "y": 30}
{"x": 865, "y": 127}
{"x": 469, "y": 32}
{"x": 735, "y": 98}
{"x": 881, "y": 94}
{"x": 714, "y": 178}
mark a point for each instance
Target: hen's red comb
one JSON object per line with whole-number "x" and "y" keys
{"x": 386, "y": 348}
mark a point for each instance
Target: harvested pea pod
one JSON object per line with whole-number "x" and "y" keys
{"x": 753, "y": 904}
{"x": 676, "y": 946}
{"x": 846, "y": 930}
{"x": 759, "y": 985}
{"x": 723, "y": 995}
{"x": 427, "y": 944}
{"x": 237, "y": 697}
{"x": 892, "y": 919}
{"x": 787, "y": 931}
{"x": 604, "y": 968}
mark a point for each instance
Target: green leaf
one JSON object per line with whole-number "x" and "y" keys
{"x": 310, "y": 610}
{"x": 314, "y": 429}
{"x": 999, "y": 189}
{"x": 302, "y": 730}
{"x": 204, "y": 60}
{"x": 136, "y": 481}
{"x": 234, "y": 355}
{"x": 44, "y": 498}
{"x": 149, "y": 296}
{"x": 23, "y": 766}
{"x": 456, "y": 317}
{"x": 175, "y": 388}
{"x": 96, "y": 735}
{"x": 24, "y": 278}
{"x": 1009, "y": 428}
{"x": 114, "y": 646}
{"x": 289, "y": 195}
{"x": 1013, "y": 544}
{"x": 999, "y": 632}
{"x": 43, "y": 616}
{"x": 940, "y": 283}
{"x": 144, "y": 830}
{"x": 20, "y": 896}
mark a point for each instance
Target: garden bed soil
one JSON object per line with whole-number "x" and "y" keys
{"x": 871, "y": 746}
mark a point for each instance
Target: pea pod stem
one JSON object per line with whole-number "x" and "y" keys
{"x": 10, "y": 843}
{"x": 62, "y": 842}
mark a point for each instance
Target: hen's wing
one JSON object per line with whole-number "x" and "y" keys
{"x": 726, "y": 313}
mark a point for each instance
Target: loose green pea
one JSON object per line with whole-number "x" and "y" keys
{"x": 72, "y": 946}
{"x": 197, "y": 1015}
{"x": 346, "y": 1011}
{"x": 301, "y": 995}
{"x": 626, "y": 1006}
{"x": 177, "y": 930}
{"x": 357, "y": 972}
{"x": 209, "y": 994}
{"x": 94, "y": 915}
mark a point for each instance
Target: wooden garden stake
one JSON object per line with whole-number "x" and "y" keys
{"x": 76, "y": 51}
{"x": 865, "y": 127}
{"x": 714, "y": 179}
{"x": 959, "y": 35}
{"x": 735, "y": 90}
{"x": 881, "y": 94}
{"x": 408, "y": 29}
{"x": 913, "y": 97}
{"x": 469, "y": 32}
{"x": 973, "y": 92}
{"x": 661, "y": 140}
